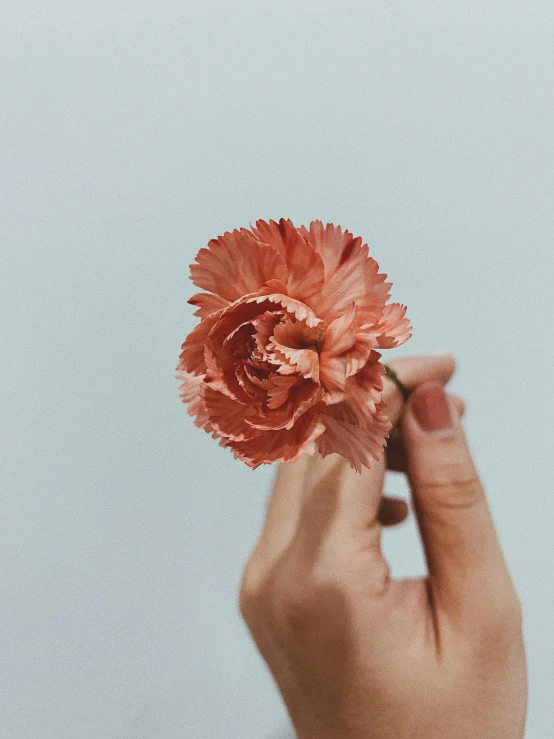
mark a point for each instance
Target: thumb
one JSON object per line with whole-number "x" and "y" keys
{"x": 468, "y": 576}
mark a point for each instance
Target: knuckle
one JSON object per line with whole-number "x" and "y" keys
{"x": 308, "y": 607}
{"x": 307, "y": 584}
{"x": 452, "y": 485}
{"x": 296, "y": 604}
{"x": 326, "y": 576}
{"x": 289, "y": 591}
{"x": 252, "y": 587}
{"x": 304, "y": 595}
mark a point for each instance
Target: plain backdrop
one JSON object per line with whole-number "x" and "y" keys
{"x": 133, "y": 132}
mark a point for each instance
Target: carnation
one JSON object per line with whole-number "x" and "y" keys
{"x": 285, "y": 360}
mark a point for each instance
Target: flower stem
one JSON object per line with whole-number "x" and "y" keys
{"x": 394, "y": 377}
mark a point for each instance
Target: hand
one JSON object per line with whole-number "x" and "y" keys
{"x": 357, "y": 654}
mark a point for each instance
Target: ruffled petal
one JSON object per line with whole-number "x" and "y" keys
{"x": 219, "y": 358}
{"x": 285, "y": 445}
{"x": 236, "y": 264}
{"x": 274, "y": 302}
{"x": 273, "y": 286}
{"x": 296, "y": 343}
{"x": 252, "y": 385}
{"x": 304, "y": 264}
{"x": 221, "y": 365}
{"x": 363, "y": 391}
{"x": 278, "y": 390}
{"x": 345, "y": 347}
{"x": 191, "y": 392}
{"x": 303, "y": 361}
{"x": 263, "y": 383}
{"x": 228, "y": 417}
{"x": 207, "y": 304}
{"x": 300, "y": 399}
{"x": 340, "y": 334}
{"x": 332, "y": 376}
{"x": 331, "y": 242}
{"x": 394, "y": 328}
{"x": 265, "y": 326}
{"x": 358, "y": 355}
{"x": 191, "y": 358}
{"x": 362, "y": 447}
{"x": 297, "y": 308}
{"x": 356, "y": 278}
{"x": 255, "y": 306}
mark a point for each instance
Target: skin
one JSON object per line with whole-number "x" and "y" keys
{"x": 358, "y": 655}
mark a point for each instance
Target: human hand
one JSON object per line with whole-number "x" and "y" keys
{"x": 357, "y": 654}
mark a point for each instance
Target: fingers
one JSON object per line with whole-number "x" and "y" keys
{"x": 283, "y": 507}
{"x": 468, "y": 576}
{"x": 414, "y": 371}
{"x": 392, "y": 511}
{"x": 341, "y": 499}
{"x": 395, "y": 453}
{"x": 355, "y": 497}
{"x": 338, "y": 522}
{"x": 294, "y": 482}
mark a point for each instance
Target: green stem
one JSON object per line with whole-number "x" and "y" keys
{"x": 394, "y": 377}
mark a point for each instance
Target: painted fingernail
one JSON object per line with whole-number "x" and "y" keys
{"x": 431, "y": 409}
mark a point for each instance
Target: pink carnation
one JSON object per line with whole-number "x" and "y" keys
{"x": 284, "y": 360}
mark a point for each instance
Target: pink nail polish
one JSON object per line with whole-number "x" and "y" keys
{"x": 431, "y": 408}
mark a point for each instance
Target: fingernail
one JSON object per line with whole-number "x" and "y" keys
{"x": 431, "y": 409}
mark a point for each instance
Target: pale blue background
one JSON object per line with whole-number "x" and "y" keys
{"x": 131, "y": 134}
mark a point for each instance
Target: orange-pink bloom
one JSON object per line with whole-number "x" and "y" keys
{"x": 284, "y": 361}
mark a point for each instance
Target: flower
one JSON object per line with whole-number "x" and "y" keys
{"x": 284, "y": 361}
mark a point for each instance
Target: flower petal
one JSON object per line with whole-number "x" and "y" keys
{"x": 363, "y": 391}
{"x": 251, "y": 384}
{"x": 344, "y": 340}
{"x": 356, "y": 278}
{"x": 300, "y": 399}
{"x": 361, "y": 447}
{"x": 221, "y": 365}
{"x": 393, "y": 328}
{"x": 191, "y": 358}
{"x": 265, "y": 326}
{"x": 273, "y": 286}
{"x": 303, "y": 361}
{"x": 330, "y": 241}
{"x": 254, "y": 306}
{"x": 191, "y": 391}
{"x": 297, "y": 308}
{"x": 228, "y": 417}
{"x": 297, "y": 343}
{"x": 332, "y": 376}
{"x": 304, "y": 264}
{"x": 278, "y": 391}
{"x": 358, "y": 355}
{"x": 285, "y": 445}
{"x": 207, "y": 304}
{"x": 219, "y": 359}
{"x": 340, "y": 334}
{"x": 236, "y": 264}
